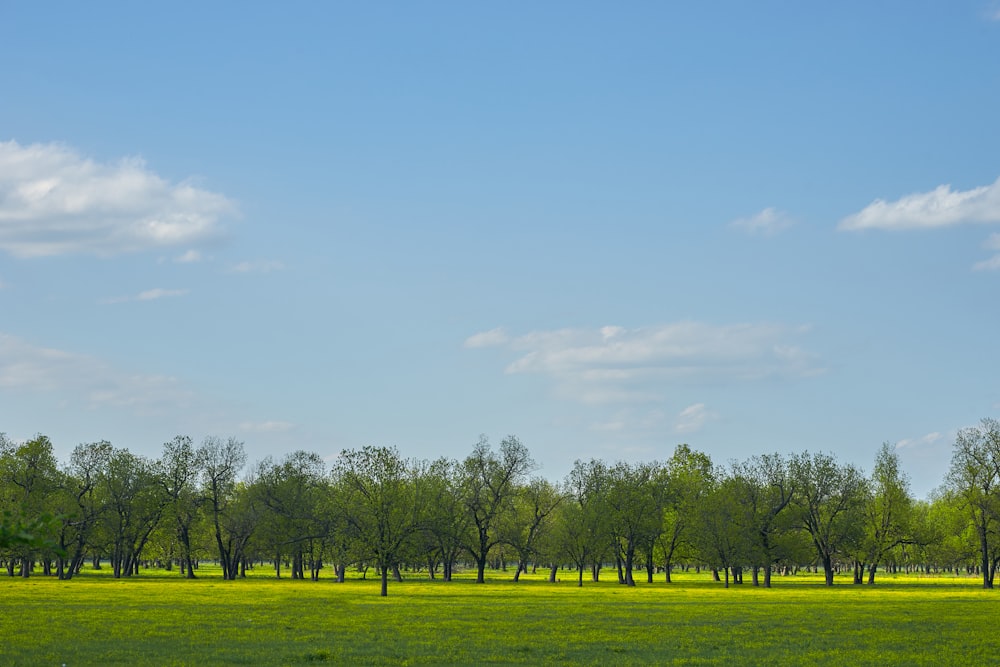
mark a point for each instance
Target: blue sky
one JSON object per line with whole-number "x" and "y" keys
{"x": 605, "y": 228}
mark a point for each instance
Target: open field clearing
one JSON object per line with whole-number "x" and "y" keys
{"x": 159, "y": 619}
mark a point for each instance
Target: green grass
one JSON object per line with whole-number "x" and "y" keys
{"x": 159, "y": 619}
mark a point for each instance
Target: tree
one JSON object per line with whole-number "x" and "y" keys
{"x": 445, "y": 522}
{"x": 180, "y": 469}
{"x": 87, "y": 465}
{"x": 31, "y": 476}
{"x": 584, "y": 533}
{"x": 633, "y": 501}
{"x": 768, "y": 490}
{"x": 385, "y": 503}
{"x": 222, "y": 462}
{"x": 828, "y": 505}
{"x": 293, "y": 492}
{"x": 725, "y": 522}
{"x": 488, "y": 480}
{"x": 888, "y": 509}
{"x": 136, "y": 502}
{"x": 530, "y": 519}
{"x": 688, "y": 478}
{"x": 974, "y": 477}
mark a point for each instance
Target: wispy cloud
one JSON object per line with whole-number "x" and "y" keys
{"x": 618, "y": 365}
{"x": 148, "y": 295}
{"x": 87, "y": 380}
{"x": 53, "y": 201}
{"x": 257, "y": 266}
{"x": 922, "y": 441}
{"x": 267, "y": 427}
{"x": 941, "y": 207}
{"x": 993, "y": 263}
{"x": 768, "y": 222}
{"x": 631, "y": 421}
{"x": 693, "y": 418}
{"x": 491, "y": 338}
{"x": 189, "y": 257}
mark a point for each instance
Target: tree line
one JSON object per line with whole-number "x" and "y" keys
{"x": 373, "y": 508}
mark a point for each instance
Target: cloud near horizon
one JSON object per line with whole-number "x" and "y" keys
{"x": 86, "y": 379}
{"x": 940, "y": 207}
{"x": 53, "y": 201}
{"x": 257, "y": 266}
{"x": 148, "y": 295}
{"x": 768, "y": 222}
{"x": 618, "y": 365}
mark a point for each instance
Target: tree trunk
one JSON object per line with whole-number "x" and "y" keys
{"x": 828, "y": 570}
{"x": 629, "y": 558}
{"x": 552, "y": 573}
{"x": 385, "y": 580}
{"x": 767, "y": 576}
{"x": 871, "y": 573}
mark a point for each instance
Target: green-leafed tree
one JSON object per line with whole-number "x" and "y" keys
{"x": 768, "y": 491}
{"x": 488, "y": 482}
{"x": 583, "y": 531}
{"x": 888, "y": 511}
{"x": 230, "y": 508}
{"x": 829, "y": 505}
{"x": 32, "y": 480}
{"x": 635, "y": 509}
{"x": 974, "y": 479}
{"x": 725, "y": 524}
{"x": 385, "y": 503}
{"x": 292, "y": 491}
{"x": 688, "y": 478}
{"x": 180, "y": 470}
{"x": 530, "y": 520}
{"x": 136, "y": 499}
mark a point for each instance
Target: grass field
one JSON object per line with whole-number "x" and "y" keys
{"x": 159, "y": 619}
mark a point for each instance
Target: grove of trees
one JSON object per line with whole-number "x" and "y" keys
{"x": 373, "y": 508}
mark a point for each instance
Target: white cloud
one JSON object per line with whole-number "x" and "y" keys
{"x": 618, "y": 365}
{"x": 693, "y": 418}
{"x": 768, "y": 222}
{"x": 923, "y": 441}
{"x": 189, "y": 257}
{"x": 53, "y": 201}
{"x": 148, "y": 295}
{"x": 267, "y": 427}
{"x": 941, "y": 207}
{"x": 993, "y": 263}
{"x": 27, "y": 367}
{"x": 491, "y": 338}
{"x": 257, "y": 266}
{"x": 629, "y": 420}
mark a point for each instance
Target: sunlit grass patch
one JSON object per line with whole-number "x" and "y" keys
{"x": 158, "y": 618}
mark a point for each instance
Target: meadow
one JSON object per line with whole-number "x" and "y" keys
{"x": 160, "y": 619}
